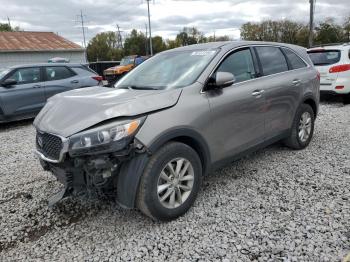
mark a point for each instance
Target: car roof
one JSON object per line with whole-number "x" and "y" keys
{"x": 46, "y": 64}
{"x": 228, "y": 45}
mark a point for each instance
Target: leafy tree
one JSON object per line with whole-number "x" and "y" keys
{"x": 328, "y": 32}
{"x": 158, "y": 44}
{"x": 5, "y": 27}
{"x": 135, "y": 43}
{"x": 103, "y": 47}
{"x": 347, "y": 29}
{"x": 190, "y": 36}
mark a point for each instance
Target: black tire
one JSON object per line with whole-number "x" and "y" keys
{"x": 294, "y": 141}
{"x": 346, "y": 99}
{"x": 148, "y": 201}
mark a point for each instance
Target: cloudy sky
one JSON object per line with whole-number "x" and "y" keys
{"x": 168, "y": 16}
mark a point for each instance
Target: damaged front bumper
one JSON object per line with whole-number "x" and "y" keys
{"x": 108, "y": 175}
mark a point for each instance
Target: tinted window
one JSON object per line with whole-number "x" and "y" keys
{"x": 324, "y": 57}
{"x": 26, "y": 75}
{"x": 295, "y": 61}
{"x": 272, "y": 60}
{"x": 240, "y": 64}
{"x": 57, "y": 73}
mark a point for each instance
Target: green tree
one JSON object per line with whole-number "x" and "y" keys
{"x": 346, "y": 27}
{"x": 328, "y": 32}
{"x": 103, "y": 47}
{"x": 135, "y": 43}
{"x": 5, "y": 27}
{"x": 158, "y": 44}
{"x": 190, "y": 36}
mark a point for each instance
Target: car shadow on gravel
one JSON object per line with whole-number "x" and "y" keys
{"x": 15, "y": 124}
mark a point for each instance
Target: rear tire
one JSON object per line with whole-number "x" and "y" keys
{"x": 170, "y": 182}
{"x": 302, "y": 128}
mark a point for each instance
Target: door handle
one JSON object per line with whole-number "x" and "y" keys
{"x": 37, "y": 86}
{"x": 258, "y": 92}
{"x": 74, "y": 81}
{"x": 296, "y": 82}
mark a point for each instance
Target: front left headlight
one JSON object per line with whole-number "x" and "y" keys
{"x": 110, "y": 137}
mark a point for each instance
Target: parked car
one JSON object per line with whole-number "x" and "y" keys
{"x": 25, "y": 89}
{"x": 333, "y": 63}
{"x": 113, "y": 74}
{"x": 175, "y": 118}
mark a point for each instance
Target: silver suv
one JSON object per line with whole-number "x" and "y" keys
{"x": 149, "y": 141}
{"x": 24, "y": 89}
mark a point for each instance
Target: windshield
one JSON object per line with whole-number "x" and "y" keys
{"x": 324, "y": 57}
{"x": 127, "y": 61}
{"x": 168, "y": 70}
{"x": 3, "y": 72}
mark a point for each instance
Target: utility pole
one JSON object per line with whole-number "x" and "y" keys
{"x": 146, "y": 46}
{"x": 119, "y": 38}
{"x": 150, "y": 30}
{"x": 9, "y": 22}
{"x": 80, "y": 19}
{"x": 311, "y": 28}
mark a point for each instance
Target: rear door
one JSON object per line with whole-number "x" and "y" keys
{"x": 282, "y": 90}
{"x": 59, "y": 79}
{"x": 237, "y": 111}
{"x": 27, "y": 97}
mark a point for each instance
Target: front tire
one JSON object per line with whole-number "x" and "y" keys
{"x": 170, "y": 182}
{"x": 302, "y": 128}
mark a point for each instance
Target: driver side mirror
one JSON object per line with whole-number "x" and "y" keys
{"x": 221, "y": 80}
{"x": 9, "y": 82}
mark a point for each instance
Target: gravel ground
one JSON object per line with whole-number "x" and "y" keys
{"x": 274, "y": 205}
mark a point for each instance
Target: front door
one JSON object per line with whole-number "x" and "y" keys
{"x": 25, "y": 98}
{"x": 237, "y": 111}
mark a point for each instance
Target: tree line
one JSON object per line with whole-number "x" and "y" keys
{"x": 104, "y": 45}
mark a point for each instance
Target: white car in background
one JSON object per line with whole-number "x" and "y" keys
{"x": 333, "y": 64}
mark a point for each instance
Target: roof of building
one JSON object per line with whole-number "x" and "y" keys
{"x": 35, "y": 41}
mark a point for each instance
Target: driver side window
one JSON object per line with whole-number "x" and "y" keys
{"x": 240, "y": 64}
{"x": 26, "y": 75}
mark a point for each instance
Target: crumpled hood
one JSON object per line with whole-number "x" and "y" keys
{"x": 70, "y": 112}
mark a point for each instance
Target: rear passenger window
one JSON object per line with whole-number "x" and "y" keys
{"x": 295, "y": 61}
{"x": 240, "y": 64}
{"x": 57, "y": 73}
{"x": 272, "y": 60}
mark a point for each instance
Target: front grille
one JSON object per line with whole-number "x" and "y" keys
{"x": 50, "y": 145}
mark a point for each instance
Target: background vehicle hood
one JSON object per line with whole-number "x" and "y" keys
{"x": 70, "y": 112}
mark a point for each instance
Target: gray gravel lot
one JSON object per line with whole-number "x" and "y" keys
{"x": 276, "y": 204}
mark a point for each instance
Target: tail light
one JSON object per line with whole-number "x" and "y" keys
{"x": 339, "y": 68}
{"x": 97, "y": 78}
{"x": 339, "y": 87}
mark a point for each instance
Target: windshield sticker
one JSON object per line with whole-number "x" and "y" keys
{"x": 203, "y": 53}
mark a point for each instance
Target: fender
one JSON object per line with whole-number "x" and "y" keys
{"x": 132, "y": 170}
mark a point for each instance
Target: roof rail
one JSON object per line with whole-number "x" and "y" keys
{"x": 330, "y": 44}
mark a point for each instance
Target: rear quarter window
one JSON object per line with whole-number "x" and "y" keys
{"x": 294, "y": 60}
{"x": 324, "y": 57}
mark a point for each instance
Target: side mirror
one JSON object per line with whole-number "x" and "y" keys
{"x": 9, "y": 82}
{"x": 221, "y": 80}
{"x": 224, "y": 79}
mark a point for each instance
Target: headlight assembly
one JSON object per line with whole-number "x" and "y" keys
{"x": 110, "y": 137}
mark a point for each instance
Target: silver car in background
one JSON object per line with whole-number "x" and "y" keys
{"x": 25, "y": 89}
{"x": 148, "y": 142}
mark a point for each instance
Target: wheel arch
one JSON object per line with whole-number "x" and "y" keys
{"x": 131, "y": 171}
{"x": 309, "y": 100}
{"x": 189, "y": 137}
